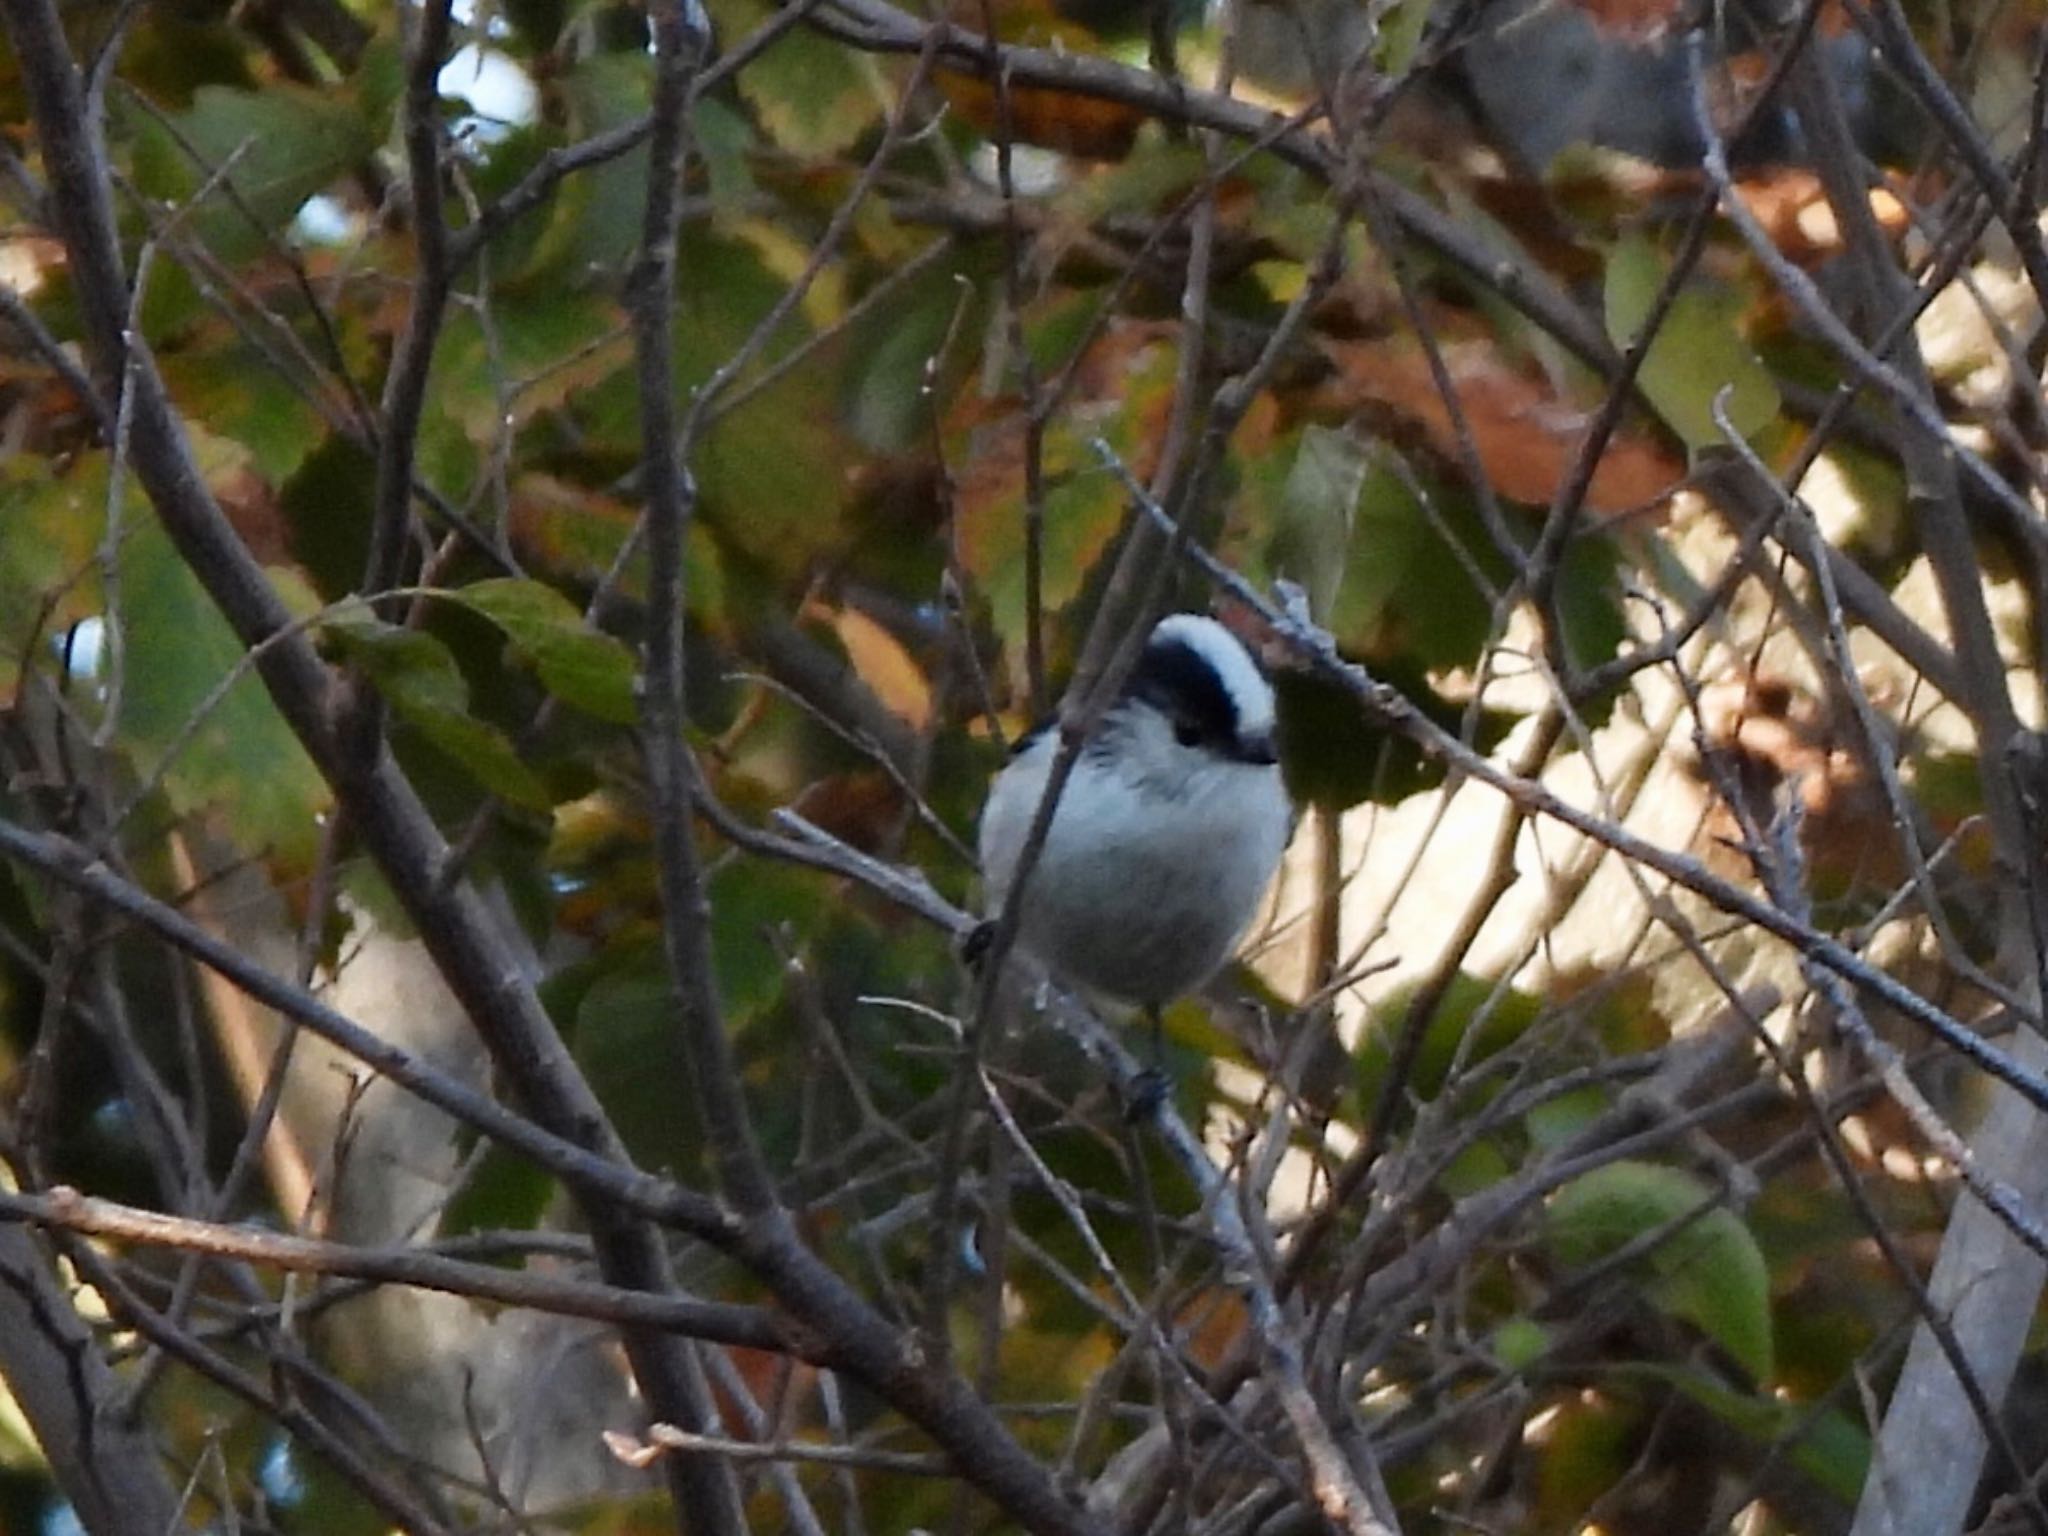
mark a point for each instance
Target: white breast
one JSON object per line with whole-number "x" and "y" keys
{"x": 1153, "y": 867}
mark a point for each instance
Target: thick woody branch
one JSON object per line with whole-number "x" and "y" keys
{"x": 104, "y": 1463}
{"x": 664, "y": 713}
{"x": 395, "y": 828}
{"x": 679, "y": 39}
{"x": 601, "y": 1178}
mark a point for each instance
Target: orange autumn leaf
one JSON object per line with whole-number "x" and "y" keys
{"x": 1783, "y": 739}
{"x": 1793, "y": 209}
{"x": 881, "y": 661}
{"x": 1527, "y": 438}
{"x": 1086, "y": 127}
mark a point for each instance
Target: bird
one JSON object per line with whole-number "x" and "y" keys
{"x": 1166, "y": 834}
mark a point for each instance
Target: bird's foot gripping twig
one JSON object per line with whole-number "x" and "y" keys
{"x": 1150, "y": 1088}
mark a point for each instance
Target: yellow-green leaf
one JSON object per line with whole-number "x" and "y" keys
{"x": 228, "y": 749}
{"x": 814, "y": 97}
{"x": 1318, "y": 507}
{"x": 1709, "y": 1272}
{"x": 418, "y": 678}
{"x": 1698, "y": 351}
{"x": 576, "y": 664}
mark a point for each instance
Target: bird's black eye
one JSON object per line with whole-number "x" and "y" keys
{"x": 1188, "y": 692}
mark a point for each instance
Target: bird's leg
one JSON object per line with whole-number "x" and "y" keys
{"x": 977, "y": 942}
{"x": 1151, "y": 1086}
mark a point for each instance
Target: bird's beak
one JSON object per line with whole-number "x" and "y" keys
{"x": 1257, "y": 747}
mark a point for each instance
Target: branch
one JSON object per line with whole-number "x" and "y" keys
{"x": 56, "y": 358}
{"x": 662, "y": 1439}
{"x": 1984, "y": 1285}
{"x": 680, "y": 38}
{"x": 74, "y": 867}
{"x": 749, "y": 1327}
{"x": 104, "y": 1464}
{"x": 2011, "y": 204}
{"x": 405, "y": 386}
{"x": 373, "y": 1469}
{"x": 1315, "y": 649}
{"x": 875, "y": 26}
{"x": 664, "y": 711}
{"x": 379, "y": 801}
{"x": 859, "y": 1339}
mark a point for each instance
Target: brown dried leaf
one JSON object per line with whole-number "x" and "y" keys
{"x": 1778, "y": 736}
{"x": 1794, "y": 211}
{"x": 1527, "y": 437}
{"x": 1086, "y": 127}
{"x": 862, "y": 809}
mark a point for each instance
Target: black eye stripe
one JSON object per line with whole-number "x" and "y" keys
{"x": 1179, "y": 682}
{"x": 1041, "y": 729}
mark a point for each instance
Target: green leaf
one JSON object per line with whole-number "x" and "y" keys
{"x": 1589, "y": 600}
{"x": 1335, "y": 757}
{"x": 1082, "y": 514}
{"x": 595, "y": 218}
{"x": 1481, "y": 1165}
{"x": 1400, "y": 35}
{"x": 232, "y": 753}
{"x": 1710, "y": 1272}
{"x": 1154, "y": 176}
{"x": 578, "y": 665}
{"x": 1085, "y": 500}
{"x": 1949, "y": 784}
{"x": 1520, "y": 1342}
{"x": 380, "y": 78}
{"x": 240, "y": 396}
{"x": 722, "y": 140}
{"x": 503, "y": 1193}
{"x": 813, "y": 96}
{"x": 1829, "y": 1446}
{"x": 1501, "y": 1015}
{"x": 1557, "y": 1120}
{"x": 49, "y": 529}
{"x": 770, "y": 470}
{"x": 1318, "y": 506}
{"x": 882, "y": 394}
{"x": 420, "y": 681}
{"x": 1058, "y": 325}
{"x": 1588, "y": 1447}
{"x": 286, "y": 143}
{"x": 168, "y": 52}
{"x": 1698, "y": 351}
{"x": 626, "y": 1041}
{"x": 770, "y": 491}
{"x": 1409, "y": 584}
{"x": 537, "y": 351}
{"x": 750, "y": 899}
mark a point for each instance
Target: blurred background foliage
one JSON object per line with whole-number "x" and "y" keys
{"x": 1665, "y": 1341}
